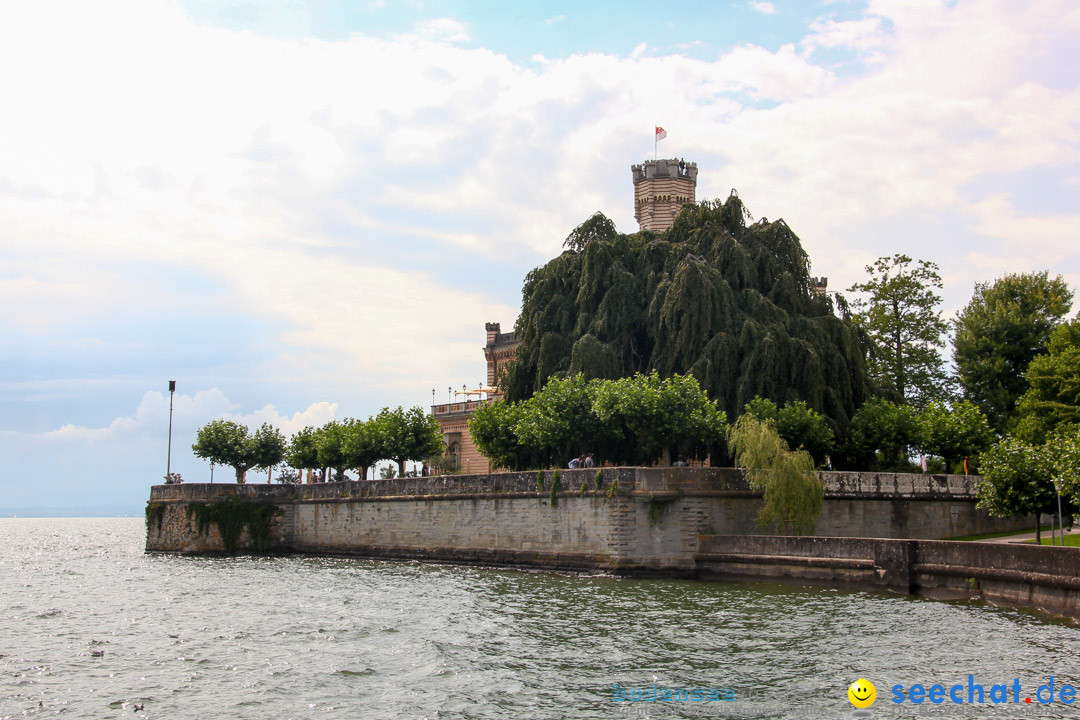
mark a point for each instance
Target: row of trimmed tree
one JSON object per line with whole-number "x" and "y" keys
{"x": 394, "y": 434}
{"x": 636, "y": 420}
{"x": 643, "y": 419}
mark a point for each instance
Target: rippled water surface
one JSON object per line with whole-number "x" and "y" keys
{"x": 91, "y": 627}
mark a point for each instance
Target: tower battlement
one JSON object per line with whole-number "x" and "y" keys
{"x": 661, "y": 188}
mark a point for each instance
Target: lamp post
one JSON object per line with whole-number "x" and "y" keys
{"x": 449, "y": 391}
{"x": 432, "y": 399}
{"x": 1061, "y": 525}
{"x": 168, "y": 457}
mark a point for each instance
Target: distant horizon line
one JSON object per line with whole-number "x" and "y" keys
{"x": 42, "y": 511}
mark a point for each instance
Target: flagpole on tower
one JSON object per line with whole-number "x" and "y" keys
{"x": 659, "y": 134}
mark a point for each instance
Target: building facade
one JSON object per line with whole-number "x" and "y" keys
{"x": 661, "y": 188}
{"x": 453, "y": 417}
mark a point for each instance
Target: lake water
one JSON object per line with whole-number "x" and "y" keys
{"x": 91, "y": 627}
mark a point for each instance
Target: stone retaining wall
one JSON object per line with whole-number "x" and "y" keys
{"x": 1039, "y": 577}
{"x": 649, "y": 522}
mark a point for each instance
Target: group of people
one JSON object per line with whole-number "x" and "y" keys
{"x": 585, "y": 461}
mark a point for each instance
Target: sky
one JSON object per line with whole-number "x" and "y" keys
{"x": 302, "y": 211}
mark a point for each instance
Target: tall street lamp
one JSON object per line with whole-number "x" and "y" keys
{"x": 1061, "y": 525}
{"x": 168, "y": 458}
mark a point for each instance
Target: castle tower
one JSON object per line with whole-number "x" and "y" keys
{"x": 661, "y": 188}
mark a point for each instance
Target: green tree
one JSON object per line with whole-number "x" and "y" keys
{"x": 882, "y": 433}
{"x": 330, "y": 445}
{"x": 793, "y": 494}
{"x": 224, "y": 442}
{"x": 798, "y": 425}
{"x": 997, "y": 335}
{"x": 558, "y": 422}
{"x": 1053, "y": 396}
{"x": 716, "y": 297}
{"x": 268, "y": 447}
{"x": 906, "y": 330}
{"x": 655, "y": 417}
{"x": 407, "y": 435}
{"x": 1063, "y": 451}
{"x": 492, "y": 427}
{"x": 361, "y": 446}
{"x": 1017, "y": 479}
{"x": 303, "y": 452}
{"x": 954, "y": 433}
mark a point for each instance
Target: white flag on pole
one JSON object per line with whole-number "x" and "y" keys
{"x": 661, "y": 133}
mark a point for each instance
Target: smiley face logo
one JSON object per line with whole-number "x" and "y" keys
{"x": 862, "y": 693}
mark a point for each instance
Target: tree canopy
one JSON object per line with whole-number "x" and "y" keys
{"x": 727, "y": 301}
{"x": 350, "y": 444}
{"x": 330, "y": 444}
{"x": 882, "y": 433}
{"x": 1017, "y": 480}
{"x": 997, "y": 335}
{"x": 797, "y": 424}
{"x": 406, "y": 434}
{"x": 224, "y": 442}
{"x": 634, "y": 420}
{"x": 953, "y": 433}
{"x": 1052, "y": 400}
{"x": 652, "y": 417}
{"x": 900, "y": 316}
{"x": 303, "y": 451}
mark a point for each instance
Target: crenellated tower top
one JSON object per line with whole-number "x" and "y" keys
{"x": 661, "y": 188}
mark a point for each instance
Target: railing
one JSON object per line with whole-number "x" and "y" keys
{"x": 455, "y": 408}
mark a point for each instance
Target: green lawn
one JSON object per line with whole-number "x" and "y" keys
{"x": 987, "y": 536}
{"x": 1071, "y": 539}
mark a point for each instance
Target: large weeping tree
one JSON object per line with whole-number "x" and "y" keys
{"x": 727, "y": 300}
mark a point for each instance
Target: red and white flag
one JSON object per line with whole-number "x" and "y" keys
{"x": 661, "y": 133}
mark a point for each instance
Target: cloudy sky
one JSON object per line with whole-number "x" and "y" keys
{"x": 306, "y": 210}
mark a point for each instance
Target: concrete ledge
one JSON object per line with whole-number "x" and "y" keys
{"x": 801, "y": 560}
{"x": 1036, "y": 577}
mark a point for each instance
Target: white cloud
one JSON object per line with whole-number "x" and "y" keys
{"x": 360, "y": 197}
{"x": 444, "y": 30}
{"x": 864, "y": 34}
{"x": 763, "y": 7}
{"x": 190, "y": 412}
{"x": 1047, "y": 239}
{"x": 555, "y": 19}
{"x": 96, "y": 458}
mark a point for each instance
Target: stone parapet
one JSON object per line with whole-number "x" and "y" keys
{"x": 660, "y": 481}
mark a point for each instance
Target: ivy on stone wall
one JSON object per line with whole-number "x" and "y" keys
{"x": 231, "y": 517}
{"x": 556, "y": 487}
{"x": 155, "y": 511}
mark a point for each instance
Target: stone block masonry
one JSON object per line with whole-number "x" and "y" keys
{"x": 641, "y": 521}
{"x": 1042, "y": 578}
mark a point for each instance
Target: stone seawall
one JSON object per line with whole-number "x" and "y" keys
{"x": 1043, "y": 578}
{"x": 638, "y": 521}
